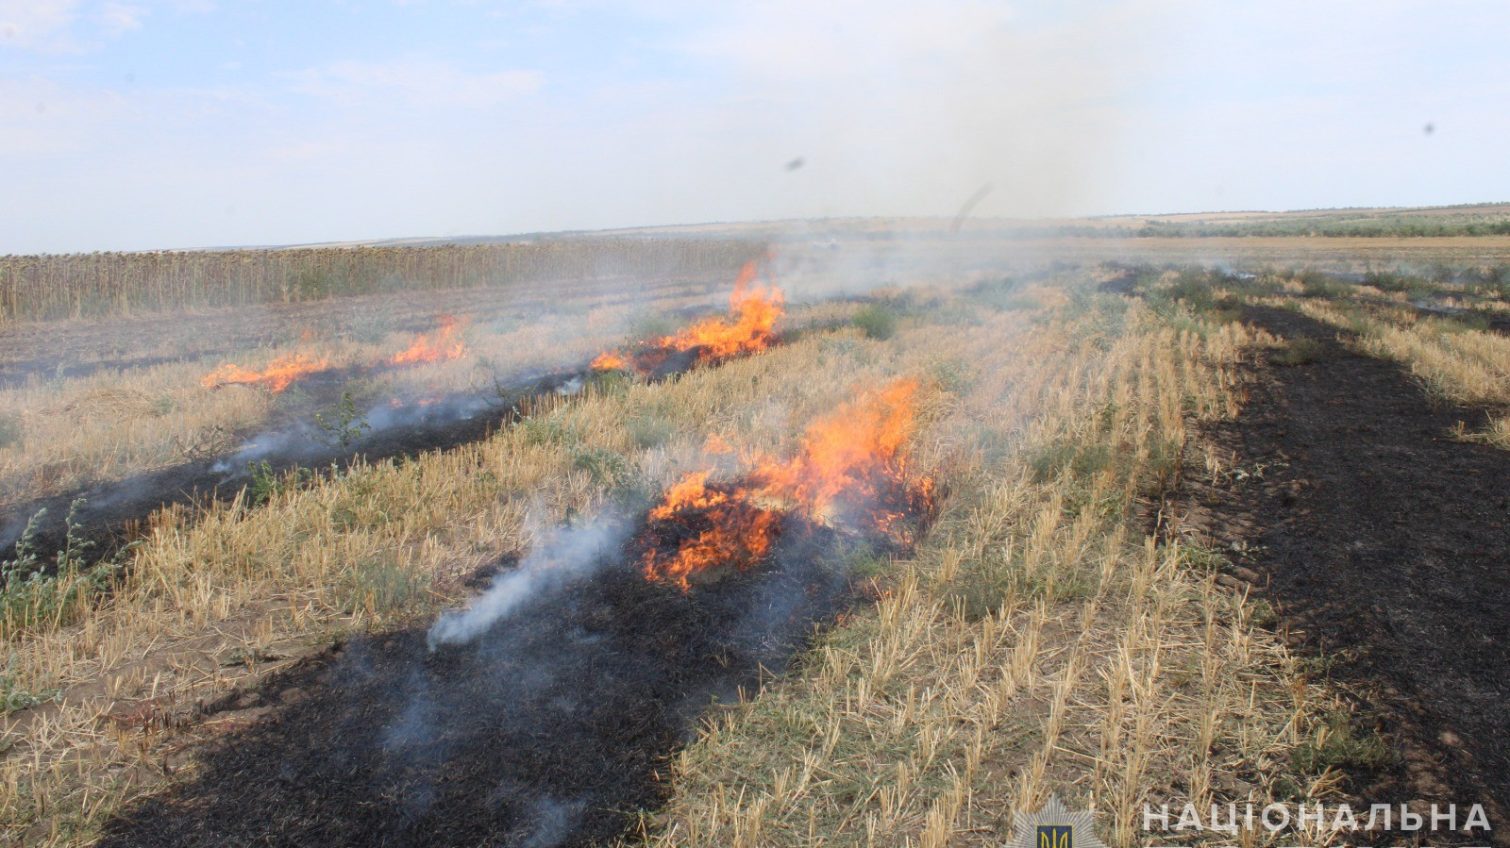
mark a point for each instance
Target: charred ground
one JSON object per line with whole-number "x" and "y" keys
{"x": 1382, "y": 540}
{"x": 553, "y": 728}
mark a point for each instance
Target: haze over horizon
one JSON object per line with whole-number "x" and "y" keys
{"x": 187, "y": 123}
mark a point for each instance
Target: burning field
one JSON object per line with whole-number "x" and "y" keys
{"x": 434, "y": 392}
{"x": 543, "y": 713}
{"x": 886, "y": 568}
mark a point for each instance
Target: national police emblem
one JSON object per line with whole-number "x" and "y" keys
{"x": 1056, "y": 826}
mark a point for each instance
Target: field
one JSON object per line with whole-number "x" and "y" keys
{"x": 876, "y": 535}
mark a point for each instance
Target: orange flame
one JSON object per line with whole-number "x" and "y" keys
{"x": 850, "y": 469}
{"x": 750, "y": 328}
{"x": 609, "y": 361}
{"x": 277, "y": 376}
{"x": 439, "y": 346}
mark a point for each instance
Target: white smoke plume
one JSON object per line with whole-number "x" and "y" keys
{"x": 564, "y": 555}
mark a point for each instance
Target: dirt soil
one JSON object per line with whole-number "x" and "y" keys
{"x": 1384, "y": 544}
{"x": 553, "y": 728}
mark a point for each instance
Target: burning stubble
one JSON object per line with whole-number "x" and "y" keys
{"x": 750, "y": 327}
{"x": 850, "y": 474}
{"x": 443, "y": 345}
{"x": 277, "y": 376}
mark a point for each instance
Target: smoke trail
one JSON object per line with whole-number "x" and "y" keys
{"x": 564, "y": 555}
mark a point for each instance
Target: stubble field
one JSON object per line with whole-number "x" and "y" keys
{"x": 934, "y": 540}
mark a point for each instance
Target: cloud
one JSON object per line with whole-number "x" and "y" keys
{"x": 65, "y": 26}
{"x": 36, "y": 24}
{"x": 420, "y": 82}
{"x": 39, "y": 117}
{"x": 117, "y": 18}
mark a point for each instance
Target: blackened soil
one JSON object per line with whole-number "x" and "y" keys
{"x": 1384, "y": 542}
{"x": 112, "y": 512}
{"x": 553, "y": 728}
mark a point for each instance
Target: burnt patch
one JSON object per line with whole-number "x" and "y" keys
{"x": 1383, "y": 543}
{"x": 113, "y": 512}
{"x": 553, "y": 727}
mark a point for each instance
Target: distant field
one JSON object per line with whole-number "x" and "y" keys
{"x": 89, "y": 285}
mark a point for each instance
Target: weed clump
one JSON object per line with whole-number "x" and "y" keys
{"x": 1319, "y": 285}
{"x": 344, "y": 425}
{"x": 877, "y": 321}
{"x": 1298, "y": 352}
{"x": 10, "y": 430}
{"x": 1339, "y": 744}
{"x": 36, "y": 593}
{"x": 379, "y": 585}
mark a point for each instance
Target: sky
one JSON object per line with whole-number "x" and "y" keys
{"x": 189, "y": 123}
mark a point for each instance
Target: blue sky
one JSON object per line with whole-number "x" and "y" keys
{"x": 129, "y": 125}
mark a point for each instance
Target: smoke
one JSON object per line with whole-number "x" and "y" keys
{"x": 565, "y": 555}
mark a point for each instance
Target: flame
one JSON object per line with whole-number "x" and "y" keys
{"x": 749, "y": 328}
{"x": 439, "y": 346}
{"x": 850, "y": 469}
{"x": 277, "y": 376}
{"x": 609, "y": 361}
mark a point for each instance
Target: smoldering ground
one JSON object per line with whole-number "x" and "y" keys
{"x": 331, "y": 418}
{"x": 380, "y": 432}
{"x": 542, "y": 716}
{"x": 407, "y": 421}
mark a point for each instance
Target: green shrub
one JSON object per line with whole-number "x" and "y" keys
{"x": 607, "y": 468}
{"x": 13, "y": 698}
{"x": 266, "y": 483}
{"x": 1081, "y": 461}
{"x": 1340, "y": 745}
{"x": 1006, "y": 295}
{"x": 649, "y": 326}
{"x": 1317, "y": 284}
{"x": 614, "y": 383}
{"x": 1389, "y": 281}
{"x": 649, "y": 431}
{"x": 344, "y": 424}
{"x": 546, "y": 430}
{"x": 876, "y": 321}
{"x": 381, "y": 585}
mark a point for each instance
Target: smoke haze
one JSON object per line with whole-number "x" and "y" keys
{"x": 579, "y": 115}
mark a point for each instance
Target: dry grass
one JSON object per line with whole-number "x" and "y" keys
{"x": 1038, "y": 642}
